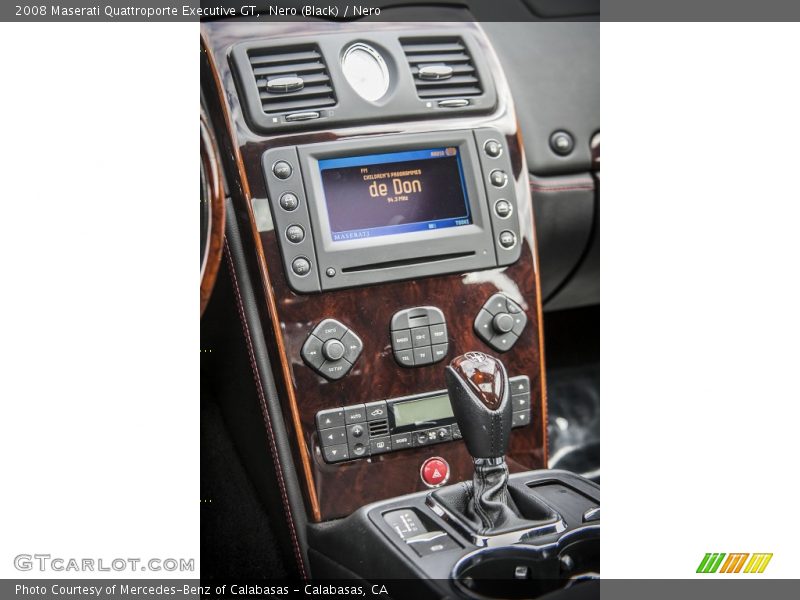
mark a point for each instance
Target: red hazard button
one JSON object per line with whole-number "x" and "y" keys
{"x": 435, "y": 472}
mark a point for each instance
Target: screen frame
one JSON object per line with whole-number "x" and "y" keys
{"x": 400, "y": 255}
{"x": 373, "y": 159}
{"x": 394, "y": 428}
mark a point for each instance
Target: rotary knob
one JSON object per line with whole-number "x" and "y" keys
{"x": 333, "y": 350}
{"x": 503, "y": 323}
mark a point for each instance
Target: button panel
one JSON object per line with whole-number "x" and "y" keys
{"x": 290, "y": 214}
{"x": 331, "y": 349}
{"x": 419, "y": 336}
{"x": 363, "y": 430}
{"x": 520, "y": 388}
{"x": 500, "y": 322}
{"x": 499, "y": 184}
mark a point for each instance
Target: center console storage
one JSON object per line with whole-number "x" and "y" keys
{"x": 557, "y": 545}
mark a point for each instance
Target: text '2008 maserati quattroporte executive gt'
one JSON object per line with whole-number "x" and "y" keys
{"x": 400, "y": 229}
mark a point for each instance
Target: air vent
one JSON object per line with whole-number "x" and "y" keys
{"x": 291, "y": 79}
{"x": 378, "y": 428}
{"x": 442, "y": 67}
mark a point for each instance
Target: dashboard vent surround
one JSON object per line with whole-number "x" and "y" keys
{"x": 442, "y": 67}
{"x": 291, "y": 78}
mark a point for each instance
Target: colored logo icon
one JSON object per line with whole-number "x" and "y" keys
{"x": 719, "y": 562}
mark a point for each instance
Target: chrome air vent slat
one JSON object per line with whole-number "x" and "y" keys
{"x": 289, "y": 79}
{"x": 441, "y": 67}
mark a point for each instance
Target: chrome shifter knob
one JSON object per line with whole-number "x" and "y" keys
{"x": 479, "y": 393}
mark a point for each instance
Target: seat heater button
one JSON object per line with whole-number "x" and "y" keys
{"x": 435, "y": 472}
{"x": 330, "y": 418}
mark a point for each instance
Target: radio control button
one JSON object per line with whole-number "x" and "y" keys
{"x": 312, "y": 352}
{"x": 301, "y": 266}
{"x": 493, "y": 148}
{"x": 435, "y": 472}
{"x": 498, "y": 324}
{"x": 421, "y": 336}
{"x": 335, "y": 369}
{"x": 329, "y": 329}
{"x": 508, "y": 239}
{"x": 380, "y": 445}
{"x": 401, "y": 340}
{"x": 439, "y": 352}
{"x": 333, "y": 349}
{"x": 405, "y": 357}
{"x": 438, "y": 334}
{"x": 352, "y": 346}
{"x": 355, "y": 414}
{"x": 282, "y": 169}
{"x": 332, "y": 437}
{"x": 401, "y": 440}
{"x": 498, "y": 178}
{"x": 423, "y": 356}
{"x": 521, "y": 418}
{"x": 335, "y": 453}
{"x": 376, "y": 410}
{"x": 503, "y": 209}
{"x": 289, "y": 201}
{"x": 295, "y": 234}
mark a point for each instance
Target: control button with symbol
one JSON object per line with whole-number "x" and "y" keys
{"x": 435, "y": 472}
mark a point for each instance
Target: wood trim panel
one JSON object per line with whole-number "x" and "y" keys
{"x": 336, "y": 490}
{"x": 209, "y": 162}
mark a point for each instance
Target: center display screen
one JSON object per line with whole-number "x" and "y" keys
{"x": 426, "y": 410}
{"x": 398, "y": 192}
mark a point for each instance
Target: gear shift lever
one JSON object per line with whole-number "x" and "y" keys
{"x": 479, "y": 394}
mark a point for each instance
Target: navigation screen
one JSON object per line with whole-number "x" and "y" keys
{"x": 386, "y": 194}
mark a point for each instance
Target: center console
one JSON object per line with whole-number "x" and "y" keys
{"x": 380, "y": 170}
